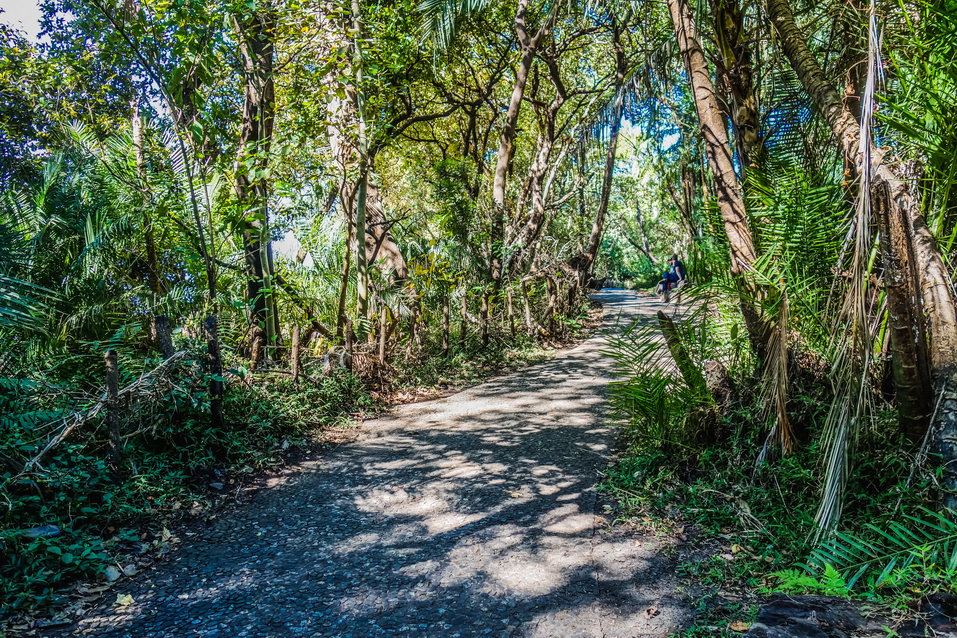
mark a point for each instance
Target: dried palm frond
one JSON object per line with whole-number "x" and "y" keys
{"x": 857, "y": 324}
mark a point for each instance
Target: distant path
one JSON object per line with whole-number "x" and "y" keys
{"x": 471, "y": 515}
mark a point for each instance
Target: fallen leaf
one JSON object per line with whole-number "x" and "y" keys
{"x": 123, "y": 600}
{"x": 651, "y": 612}
{"x": 737, "y": 625}
{"x": 735, "y": 549}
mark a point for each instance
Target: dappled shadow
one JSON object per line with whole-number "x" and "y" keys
{"x": 468, "y": 515}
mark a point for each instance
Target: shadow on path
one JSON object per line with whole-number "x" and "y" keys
{"x": 470, "y": 515}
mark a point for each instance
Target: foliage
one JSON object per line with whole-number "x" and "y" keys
{"x": 172, "y": 454}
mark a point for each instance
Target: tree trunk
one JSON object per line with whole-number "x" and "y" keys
{"x": 586, "y": 261}
{"x": 528, "y": 46}
{"x": 907, "y": 341}
{"x": 446, "y": 328}
{"x": 294, "y": 365}
{"x": 153, "y": 279}
{"x": 929, "y": 273}
{"x": 730, "y": 200}
{"x": 162, "y": 336}
{"x": 216, "y": 389}
{"x": 552, "y": 291}
{"x": 254, "y": 33}
{"x": 484, "y": 316}
{"x": 383, "y": 327}
{"x": 344, "y": 283}
{"x": 350, "y": 337}
{"x": 689, "y": 372}
{"x": 510, "y": 311}
{"x": 734, "y": 65}
{"x": 112, "y": 416}
{"x": 463, "y": 324}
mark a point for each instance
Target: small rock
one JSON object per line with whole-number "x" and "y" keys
{"x": 112, "y": 574}
{"x": 216, "y": 485}
{"x": 43, "y": 530}
{"x": 52, "y": 622}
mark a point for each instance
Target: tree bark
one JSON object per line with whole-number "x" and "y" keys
{"x": 294, "y": 366}
{"x": 930, "y": 275}
{"x": 463, "y": 324}
{"x": 692, "y": 376}
{"x": 586, "y": 261}
{"x": 383, "y": 326}
{"x": 718, "y": 151}
{"x": 446, "y": 327}
{"x": 735, "y": 67}
{"x": 254, "y": 33}
{"x": 214, "y": 360}
{"x": 528, "y": 45}
{"x": 112, "y": 416}
{"x": 162, "y": 335}
{"x": 907, "y": 341}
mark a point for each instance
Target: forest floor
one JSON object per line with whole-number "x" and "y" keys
{"x": 474, "y": 514}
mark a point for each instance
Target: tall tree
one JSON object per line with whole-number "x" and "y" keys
{"x": 899, "y": 215}
{"x": 255, "y": 32}
{"x": 719, "y": 154}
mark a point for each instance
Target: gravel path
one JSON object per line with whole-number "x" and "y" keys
{"x": 471, "y": 515}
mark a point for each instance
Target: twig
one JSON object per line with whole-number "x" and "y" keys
{"x": 78, "y": 418}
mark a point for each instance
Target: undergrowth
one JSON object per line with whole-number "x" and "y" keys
{"x": 692, "y": 463}
{"x": 72, "y": 516}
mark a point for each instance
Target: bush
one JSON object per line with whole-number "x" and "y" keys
{"x": 70, "y": 517}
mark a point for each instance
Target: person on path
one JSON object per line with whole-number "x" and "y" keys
{"x": 673, "y": 278}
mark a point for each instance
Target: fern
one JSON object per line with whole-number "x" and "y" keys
{"x": 795, "y": 581}
{"x": 896, "y": 546}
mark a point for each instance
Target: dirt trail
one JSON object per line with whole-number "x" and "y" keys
{"x": 470, "y": 515}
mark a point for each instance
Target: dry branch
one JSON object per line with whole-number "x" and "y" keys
{"x": 143, "y": 386}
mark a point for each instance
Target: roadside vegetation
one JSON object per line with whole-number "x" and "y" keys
{"x": 795, "y": 412}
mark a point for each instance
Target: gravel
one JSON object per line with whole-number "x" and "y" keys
{"x": 471, "y": 515}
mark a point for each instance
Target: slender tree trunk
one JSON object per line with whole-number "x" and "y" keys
{"x": 153, "y": 279}
{"x": 527, "y": 308}
{"x": 216, "y": 388}
{"x": 383, "y": 327}
{"x": 586, "y": 261}
{"x": 506, "y": 147}
{"x": 362, "y": 274}
{"x": 254, "y": 33}
{"x": 463, "y": 325}
{"x": 350, "y": 338}
{"x": 344, "y": 284}
{"x": 510, "y": 309}
{"x": 484, "y": 318}
{"x": 446, "y": 329}
{"x": 718, "y": 150}
{"x": 112, "y": 415}
{"x": 159, "y": 325}
{"x": 294, "y": 365}
{"x": 689, "y": 371}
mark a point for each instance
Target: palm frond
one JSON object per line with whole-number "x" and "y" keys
{"x": 893, "y": 546}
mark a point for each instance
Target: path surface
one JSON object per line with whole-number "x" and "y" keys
{"x": 471, "y": 515}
